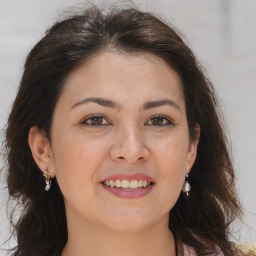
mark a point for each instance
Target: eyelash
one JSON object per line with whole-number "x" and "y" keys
{"x": 84, "y": 122}
{"x": 167, "y": 120}
{"x": 101, "y": 117}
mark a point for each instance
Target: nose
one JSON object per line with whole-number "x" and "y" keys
{"x": 129, "y": 146}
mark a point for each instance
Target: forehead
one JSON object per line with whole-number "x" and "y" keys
{"x": 119, "y": 75}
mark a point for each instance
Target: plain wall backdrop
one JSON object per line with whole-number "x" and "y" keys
{"x": 220, "y": 32}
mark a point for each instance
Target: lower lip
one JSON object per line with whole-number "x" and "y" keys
{"x": 129, "y": 193}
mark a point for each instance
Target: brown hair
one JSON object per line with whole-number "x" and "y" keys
{"x": 203, "y": 220}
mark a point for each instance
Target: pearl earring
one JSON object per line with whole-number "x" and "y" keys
{"x": 47, "y": 180}
{"x": 186, "y": 187}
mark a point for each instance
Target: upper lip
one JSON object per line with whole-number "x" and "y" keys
{"x": 129, "y": 176}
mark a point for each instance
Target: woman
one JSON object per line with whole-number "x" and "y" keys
{"x": 115, "y": 119}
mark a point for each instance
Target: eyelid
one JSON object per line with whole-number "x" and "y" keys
{"x": 83, "y": 120}
{"x": 169, "y": 120}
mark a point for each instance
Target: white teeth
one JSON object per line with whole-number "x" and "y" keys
{"x": 126, "y": 184}
{"x": 144, "y": 183}
{"x": 118, "y": 184}
{"x": 112, "y": 183}
{"x": 133, "y": 184}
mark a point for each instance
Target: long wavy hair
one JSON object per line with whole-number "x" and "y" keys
{"x": 201, "y": 221}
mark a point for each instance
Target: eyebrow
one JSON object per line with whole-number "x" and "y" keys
{"x": 159, "y": 103}
{"x": 111, "y": 104}
{"x": 103, "y": 102}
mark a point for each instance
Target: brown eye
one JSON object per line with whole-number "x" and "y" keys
{"x": 95, "y": 121}
{"x": 159, "y": 121}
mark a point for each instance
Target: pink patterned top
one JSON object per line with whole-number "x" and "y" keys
{"x": 189, "y": 251}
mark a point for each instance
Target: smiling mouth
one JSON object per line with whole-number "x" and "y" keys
{"x": 127, "y": 184}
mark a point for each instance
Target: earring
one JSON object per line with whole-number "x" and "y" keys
{"x": 48, "y": 180}
{"x": 186, "y": 187}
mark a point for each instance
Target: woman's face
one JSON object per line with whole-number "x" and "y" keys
{"x": 121, "y": 121}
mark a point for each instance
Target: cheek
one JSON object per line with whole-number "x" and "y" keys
{"x": 77, "y": 153}
{"x": 171, "y": 160}
{"x": 171, "y": 154}
{"x": 76, "y": 160}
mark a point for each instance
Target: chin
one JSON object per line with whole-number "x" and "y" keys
{"x": 129, "y": 221}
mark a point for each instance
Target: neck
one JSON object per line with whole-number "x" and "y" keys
{"x": 88, "y": 239}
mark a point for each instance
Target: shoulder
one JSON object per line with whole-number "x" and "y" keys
{"x": 245, "y": 249}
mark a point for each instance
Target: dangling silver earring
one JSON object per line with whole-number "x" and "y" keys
{"x": 186, "y": 187}
{"x": 48, "y": 180}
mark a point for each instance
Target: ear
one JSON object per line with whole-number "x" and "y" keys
{"x": 41, "y": 150}
{"x": 192, "y": 149}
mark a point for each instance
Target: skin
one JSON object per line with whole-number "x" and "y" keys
{"x": 128, "y": 139}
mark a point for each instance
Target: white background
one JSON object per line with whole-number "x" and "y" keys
{"x": 222, "y": 34}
